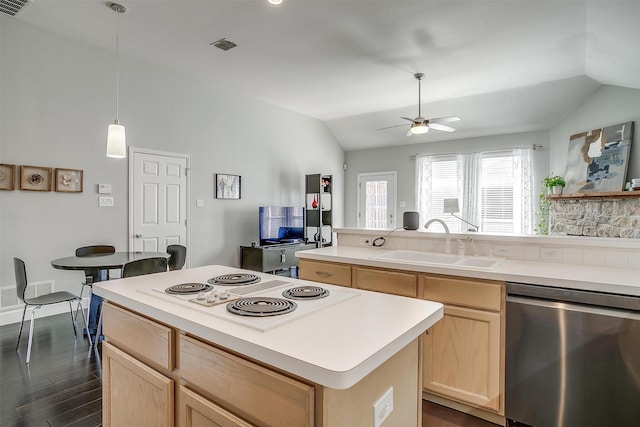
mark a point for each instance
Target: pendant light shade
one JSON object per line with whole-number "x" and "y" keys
{"x": 116, "y": 140}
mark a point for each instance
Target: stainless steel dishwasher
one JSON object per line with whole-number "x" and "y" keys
{"x": 572, "y": 357}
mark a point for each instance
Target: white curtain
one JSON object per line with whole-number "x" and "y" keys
{"x": 515, "y": 166}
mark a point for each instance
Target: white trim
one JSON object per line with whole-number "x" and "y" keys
{"x": 14, "y": 315}
{"x": 187, "y": 157}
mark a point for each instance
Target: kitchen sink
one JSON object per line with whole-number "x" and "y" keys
{"x": 433, "y": 258}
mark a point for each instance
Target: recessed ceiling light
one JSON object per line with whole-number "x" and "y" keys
{"x": 275, "y": 1}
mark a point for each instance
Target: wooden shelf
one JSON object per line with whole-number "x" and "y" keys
{"x": 597, "y": 195}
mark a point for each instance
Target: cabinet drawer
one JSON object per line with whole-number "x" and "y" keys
{"x": 325, "y": 272}
{"x": 196, "y": 411}
{"x": 475, "y": 293}
{"x": 248, "y": 390}
{"x": 389, "y": 282}
{"x": 149, "y": 341}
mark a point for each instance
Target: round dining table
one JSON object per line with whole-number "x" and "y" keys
{"x": 102, "y": 263}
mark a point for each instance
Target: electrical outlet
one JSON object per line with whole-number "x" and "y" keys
{"x": 403, "y": 204}
{"x": 383, "y": 407}
{"x": 551, "y": 254}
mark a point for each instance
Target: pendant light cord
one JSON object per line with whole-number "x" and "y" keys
{"x": 117, "y": 61}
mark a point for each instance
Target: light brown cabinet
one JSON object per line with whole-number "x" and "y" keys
{"x": 325, "y": 272}
{"x": 159, "y": 376}
{"x": 463, "y": 354}
{"x": 196, "y": 411}
{"x": 133, "y": 393}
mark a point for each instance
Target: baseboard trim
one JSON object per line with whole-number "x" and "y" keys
{"x": 15, "y": 315}
{"x": 470, "y": 410}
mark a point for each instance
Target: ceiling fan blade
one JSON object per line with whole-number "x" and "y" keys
{"x": 409, "y": 133}
{"x": 390, "y": 127}
{"x": 443, "y": 128}
{"x": 407, "y": 118}
{"x": 444, "y": 119}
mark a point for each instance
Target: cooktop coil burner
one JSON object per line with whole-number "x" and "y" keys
{"x": 234, "y": 279}
{"x": 261, "y": 306}
{"x": 188, "y": 288}
{"x": 306, "y": 293}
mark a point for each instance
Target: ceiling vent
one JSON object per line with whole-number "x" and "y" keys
{"x": 223, "y": 44}
{"x": 13, "y": 7}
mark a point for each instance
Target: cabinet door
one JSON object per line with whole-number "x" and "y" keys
{"x": 133, "y": 393}
{"x": 389, "y": 282}
{"x": 461, "y": 357}
{"x": 196, "y": 411}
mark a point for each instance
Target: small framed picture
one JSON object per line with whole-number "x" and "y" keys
{"x": 69, "y": 180}
{"x": 227, "y": 186}
{"x": 35, "y": 178}
{"x": 7, "y": 177}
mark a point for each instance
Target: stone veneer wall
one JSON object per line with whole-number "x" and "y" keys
{"x": 606, "y": 217}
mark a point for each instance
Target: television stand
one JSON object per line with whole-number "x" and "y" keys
{"x": 271, "y": 258}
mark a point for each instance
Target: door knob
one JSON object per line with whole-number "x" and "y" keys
{"x": 138, "y": 236}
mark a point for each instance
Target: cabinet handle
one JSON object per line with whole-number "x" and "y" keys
{"x": 323, "y": 274}
{"x": 282, "y": 258}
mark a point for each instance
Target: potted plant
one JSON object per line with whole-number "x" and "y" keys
{"x": 554, "y": 184}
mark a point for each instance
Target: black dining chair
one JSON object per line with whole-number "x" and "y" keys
{"x": 138, "y": 268}
{"x": 92, "y": 274}
{"x": 178, "y": 256}
{"x": 38, "y": 302}
{"x": 144, "y": 266}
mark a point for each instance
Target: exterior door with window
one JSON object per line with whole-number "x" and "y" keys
{"x": 377, "y": 200}
{"x": 158, "y": 200}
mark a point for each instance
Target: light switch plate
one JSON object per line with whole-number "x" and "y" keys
{"x": 104, "y": 188}
{"x": 105, "y": 201}
{"x": 199, "y": 203}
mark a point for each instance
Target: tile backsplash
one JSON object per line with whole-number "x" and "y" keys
{"x": 592, "y": 251}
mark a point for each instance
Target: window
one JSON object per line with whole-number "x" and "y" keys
{"x": 493, "y": 189}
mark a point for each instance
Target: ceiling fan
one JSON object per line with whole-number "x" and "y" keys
{"x": 420, "y": 125}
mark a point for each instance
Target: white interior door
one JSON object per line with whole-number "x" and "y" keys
{"x": 158, "y": 196}
{"x": 377, "y": 200}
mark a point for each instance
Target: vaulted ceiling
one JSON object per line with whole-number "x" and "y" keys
{"x": 502, "y": 66}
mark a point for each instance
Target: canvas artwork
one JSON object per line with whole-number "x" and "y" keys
{"x": 227, "y": 186}
{"x": 598, "y": 159}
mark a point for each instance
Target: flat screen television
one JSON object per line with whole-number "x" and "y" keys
{"x": 280, "y": 224}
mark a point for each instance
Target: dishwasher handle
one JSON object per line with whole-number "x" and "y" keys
{"x": 577, "y": 296}
{"x": 559, "y": 305}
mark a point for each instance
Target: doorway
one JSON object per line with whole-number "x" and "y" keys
{"x": 158, "y": 200}
{"x": 377, "y": 200}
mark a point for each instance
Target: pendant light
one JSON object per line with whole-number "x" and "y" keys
{"x": 116, "y": 141}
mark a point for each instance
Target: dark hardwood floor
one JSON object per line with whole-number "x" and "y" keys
{"x": 62, "y": 385}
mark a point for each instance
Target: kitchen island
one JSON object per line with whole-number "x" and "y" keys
{"x": 324, "y": 364}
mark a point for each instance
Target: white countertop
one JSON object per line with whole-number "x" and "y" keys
{"x": 601, "y": 279}
{"x": 335, "y": 346}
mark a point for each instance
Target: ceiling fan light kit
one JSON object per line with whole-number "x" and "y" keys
{"x": 420, "y": 125}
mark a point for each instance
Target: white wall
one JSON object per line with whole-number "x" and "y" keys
{"x": 57, "y": 98}
{"x": 400, "y": 159}
{"x": 608, "y": 106}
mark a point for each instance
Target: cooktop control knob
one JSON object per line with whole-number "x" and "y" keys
{"x": 201, "y": 296}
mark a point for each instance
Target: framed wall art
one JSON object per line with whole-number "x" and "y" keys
{"x": 7, "y": 177}
{"x": 35, "y": 178}
{"x": 597, "y": 160}
{"x": 227, "y": 186}
{"x": 69, "y": 180}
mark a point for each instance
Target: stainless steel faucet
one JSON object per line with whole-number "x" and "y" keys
{"x": 447, "y": 247}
